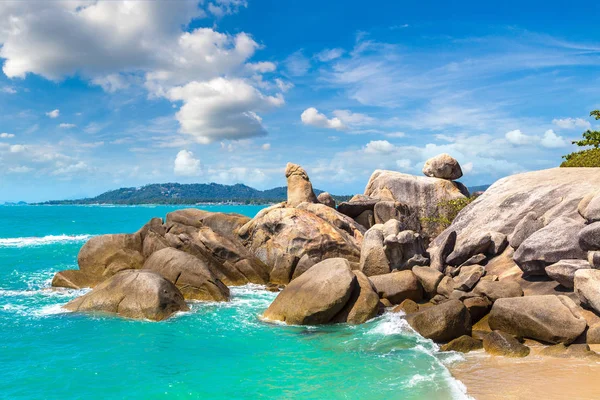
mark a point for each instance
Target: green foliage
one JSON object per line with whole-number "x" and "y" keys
{"x": 447, "y": 211}
{"x": 586, "y": 158}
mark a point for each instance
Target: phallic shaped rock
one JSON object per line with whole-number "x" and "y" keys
{"x": 190, "y": 274}
{"x": 429, "y": 279}
{"x": 554, "y": 242}
{"x": 549, "y": 318}
{"x": 525, "y": 228}
{"x": 316, "y": 296}
{"x": 132, "y": 294}
{"x": 398, "y": 286}
{"x": 299, "y": 188}
{"x": 589, "y": 237}
{"x": 468, "y": 277}
{"x": 373, "y": 260}
{"x": 463, "y": 344}
{"x": 443, "y": 322}
{"x": 326, "y": 199}
{"x": 495, "y": 290}
{"x": 500, "y": 343}
{"x": 363, "y": 303}
{"x": 478, "y": 307}
{"x": 442, "y": 166}
{"x": 587, "y": 287}
{"x": 563, "y": 271}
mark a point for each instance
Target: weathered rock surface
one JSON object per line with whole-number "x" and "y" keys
{"x": 478, "y": 307}
{"x": 363, "y": 303}
{"x": 326, "y": 199}
{"x": 385, "y": 211}
{"x": 446, "y": 286}
{"x": 500, "y": 343}
{"x": 222, "y": 223}
{"x": 495, "y": 290}
{"x": 525, "y": 228}
{"x": 373, "y": 260}
{"x": 429, "y": 278}
{"x": 439, "y": 253}
{"x": 442, "y": 166}
{"x": 590, "y": 210}
{"x": 587, "y": 287}
{"x": 190, "y": 274}
{"x": 551, "y": 319}
{"x": 589, "y": 237}
{"x": 299, "y": 188}
{"x": 593, "y": 334}
{"x": 468, "y": 277}
{"x": 335, "y": 218}
{"x": 398, "y": 286}
{"x": 407, "y": 307}
{"x": 316, "y": 296}
{"x": 366, "y": 219}
{"x": 356, "y": 207}
{"x": 443, "y": 322}
{"x": 285, "y": 235}
{"x": 593, "y": 258}
{"x": 580, "y": 350}
{"x": 132, "y": 294}
{"x": 463, "y": 344}
{"x": 563, "y": 271}
{"x": 404, "y": 250}
{"x": 423, "y": 195}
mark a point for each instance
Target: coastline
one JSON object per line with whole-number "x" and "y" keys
{"x": 533, "y": 377}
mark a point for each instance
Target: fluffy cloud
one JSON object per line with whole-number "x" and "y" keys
{"x": 17, "y": 148}
{"x": 329, "y": 54}
{"x": 221, "y": 109}
{"x": 551, "y": 140}
{"x": 311, "y": 116}
{"x": 67, "y": 126}
{"x": 8, "y": 90}
{"x": 518, "y": 138}
{"x": 5, "y": 135}
{"x": 53, "y": 113}
{"x": 353, "y": 119}
{"x": 186, "y": 165}
{"x": 572, "y": 123}
{"x": 379, "y": 147}
{"x": 220, "y": 8}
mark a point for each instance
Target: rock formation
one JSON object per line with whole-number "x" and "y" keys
{"x": 443, "y": 166}
{"x": 299, "y": 188}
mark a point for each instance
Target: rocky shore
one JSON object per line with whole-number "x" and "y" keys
{"x": 517, "y": 268}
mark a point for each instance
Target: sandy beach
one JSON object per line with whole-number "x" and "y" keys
{"x": 534, "y": 377}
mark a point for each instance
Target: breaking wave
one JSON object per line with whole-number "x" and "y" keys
{"x": 42, "y": 241}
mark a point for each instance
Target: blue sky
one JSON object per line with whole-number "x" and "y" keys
{"x": 96, "y": 95}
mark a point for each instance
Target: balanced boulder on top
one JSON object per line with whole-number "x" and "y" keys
{"x": 443, "y": 166}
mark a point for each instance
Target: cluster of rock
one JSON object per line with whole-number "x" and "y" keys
{"x": 520, "y": 262}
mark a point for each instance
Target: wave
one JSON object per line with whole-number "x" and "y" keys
{"x": 42, "y": 241}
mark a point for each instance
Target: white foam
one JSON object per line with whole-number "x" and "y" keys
{"x": 42, "y": 241}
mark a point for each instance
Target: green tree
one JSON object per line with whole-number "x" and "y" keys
{"x": 589, "y": 157}
{"x": 590, "y": 138}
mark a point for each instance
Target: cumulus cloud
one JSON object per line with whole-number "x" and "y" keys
{"x": 17, "y": 148}
{"x": 266, "y": 146}
{"x": 311, "y": 116}
{"x": 353, "y": 119}
{"x": 221, "y": 109}
{"x": 518, "y": 138}
{"x": 67, "y": 126}
{"x": 329, "y": 54}
{"x": 551, "y": 140}
{"x": 186, "y": 165}
{"x": 572, "y": 123}
{"x": 5, "y": 135}
{"x": 53, "y": 113}
{"x": 379, "y": 147}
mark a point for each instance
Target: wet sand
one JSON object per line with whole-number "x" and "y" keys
{"x": 533, "y": 377}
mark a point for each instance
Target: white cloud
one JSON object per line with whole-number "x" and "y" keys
{"x": 186, "y": 165}
{"x": 379, "y": 147}
{"x": 329, "y": 54}
{"x": 53, "y": 113}
{"x": 353, "y": 119}
{"x": 70, "y": 169}
{"x": 311, "y": 116}
{"x": 222, "y": 109}
{"x": 5, "y": 135}
{"x": 395, "y": 134}
{"x": 551, "y": 140}
{"x": 572, "y": 123}
{"x": 403, "y": 164}
{"x": 518, "y": 138}
{"x": 17, "y": 148}
{"x": 67, "y": 126}
{"x": 20, "y": 169}
{"x": 283, "y": 85}
{"x": 266, "y": 146}
{"x": 262, "y": 67}
{"x": 111, "y": 83}
{"x": 220, "y": 8}
{"x": 467, "y": 168}
{"x": 8, "y": 90}
{"x": 297, "y": 64}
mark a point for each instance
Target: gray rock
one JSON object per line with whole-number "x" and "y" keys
{"x": 373, "y": 259}
{"x": 499, "y": 244}
{"x": 443, "y": 322}
{"x": 589, "y": 237}
{"x": 549, "y": 318}
{"x": 495, "y": 290}
{"x": 326, "y": 199}
{"x": 468, "y": 277}
{"x": 591, "y": 212}
{"x": 392, "y": 228}
{"x": 587, "y": 287}
{"x": 554, "y": 242}
{"x": 525, "y": 228}
{"x": 438, "y": 254}
{"x": 476, "y": 259}
{"x": 563, "y": 271}
{"x": 385, "y": 211}
{"x": 442, "y": 166}
{"x": 398, "y": 286}
{"x": 429, "y": 279}
{"x": 593, "y": 258}
{"x": 402, "y": 248}
{"x": 476, "y": 244}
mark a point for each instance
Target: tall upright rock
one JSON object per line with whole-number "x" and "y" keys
{"x": 299, "y": 188}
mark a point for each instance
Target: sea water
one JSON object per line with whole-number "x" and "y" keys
{"x": 214, "y": 351}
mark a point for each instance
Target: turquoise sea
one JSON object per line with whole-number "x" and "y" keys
{"x": 215, "y": 351}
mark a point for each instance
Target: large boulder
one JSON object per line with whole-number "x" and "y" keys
{"x": 316, "y": 296}
{"x": 385, "y": 211}
{"x": 442, "y": 166}
{"x": 357, "y": 205}
{"x": 373, "y": 260}
{"x": 443, "y": 322}
{"x": 190, "y": 274}
{"x": 463, "y": 344}
{"x": 563, "y": 271}
{"x": 133, "y": 294}
{"x": 550, "y": 318}
{"x": 282, "y": 236}
{"x": 589, "y": 237}
{"x": 100, "y": 258}
{"x": 429, "y": 278}
{"x": 405, "y": 250}
{"x": 335, "y": 218}
{"x": 550, "y": 194}
{"x": 222, "y": 223}
{"x": 299, "y": 188}
{"x": 326, "y": 199}
{"x": 423, "y": 195}
{"x": 363, "y": 303}
{"x": 587, "y": 287}
{"x": 398, "y": 286}
{"x": 590, "y": 208}
{"x": 554, "y": 242}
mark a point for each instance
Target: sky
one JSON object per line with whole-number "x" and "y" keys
{"x": 97, "y": 94}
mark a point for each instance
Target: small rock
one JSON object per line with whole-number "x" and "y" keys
{"x": 593, "y": 334}
{"x": 443, "y": 322}
{"x": 463, "y": 344}
{"x": 407, "y": 307}
{"x": 438, "y": 299}
{"x": 446, "y": 286}
{"x": 499, "y": 343}
{"x": 429, "y": 278}
{"x": 439, "y": 254}
{"x": 476, "y": 259}
{"x": 468, "y": 277}
{"x": 563, "y": 271}
{"x": 593, "y": 258}
{"x": 591, "y": 211}
{"x": 386, "y": 303}
{"x": 473, "y": 245}
{"x": 442, "y": 166}
{"x": 572, "y": 351}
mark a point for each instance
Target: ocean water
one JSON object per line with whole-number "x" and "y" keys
{"x": 215, "y": 351}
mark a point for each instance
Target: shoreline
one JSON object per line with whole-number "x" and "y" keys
{"x": 489, "y": 377}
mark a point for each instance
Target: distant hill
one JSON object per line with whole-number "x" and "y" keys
{"x": 176, "y": 193}
{"x": 480, "y": 188}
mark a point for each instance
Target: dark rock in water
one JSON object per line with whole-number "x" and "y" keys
{"x": 443, "y": 322}
{"x": 316, "y": 296}
{"x": 398, "y": 286}
{"x": 500, "y": 343}
{"x": 326, "y": 199}
{"x": 563, "y": 271}
{"x": 363, "y": 303}
{"x": 463, "y": 344}
{"x": 495, "y": 290}
{"x": 550, "y": 318}
{"x": 443, "y": 166}
{"x": 132, "y": 294}
{"x": 191, "y": 276}
{"x": 299, "y": 188}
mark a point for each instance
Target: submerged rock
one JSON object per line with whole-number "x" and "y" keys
{"x": 133, "y": 294}
{"x": 463, "y": 344}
